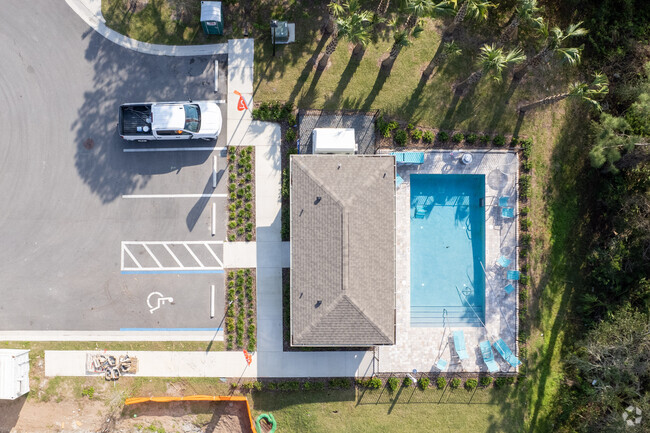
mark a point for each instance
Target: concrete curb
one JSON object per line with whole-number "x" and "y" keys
{"x": 90, "y": 11}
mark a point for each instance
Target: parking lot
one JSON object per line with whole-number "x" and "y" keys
{"x": 98, "y": 233}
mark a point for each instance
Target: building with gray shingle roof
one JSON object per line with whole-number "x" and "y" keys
{"x": 342, "y": 250}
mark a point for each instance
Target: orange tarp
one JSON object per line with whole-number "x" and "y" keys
{"x": 135, "y": 400}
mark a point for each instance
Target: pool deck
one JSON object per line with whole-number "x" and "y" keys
{"x": 420, "y": 348}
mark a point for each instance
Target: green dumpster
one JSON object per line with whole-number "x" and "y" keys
{"x": 211, "y": 19}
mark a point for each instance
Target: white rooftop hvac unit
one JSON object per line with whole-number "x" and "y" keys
{"x": 14, "y": 373}
{"x": 333, "y": 140}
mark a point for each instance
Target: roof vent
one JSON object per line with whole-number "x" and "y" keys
{"x": 318, "y": 199}
{"x": 318, "y": 304}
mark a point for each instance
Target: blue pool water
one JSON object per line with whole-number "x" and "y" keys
{"x": 447, "y": 250}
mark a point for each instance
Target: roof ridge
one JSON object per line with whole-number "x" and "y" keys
{"x": 372, "y": 323}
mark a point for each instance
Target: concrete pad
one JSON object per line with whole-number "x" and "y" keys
{"x": 272, "y": 254}
{"x": 241, "y": 80}
{"x": 234, "y": 113}
{"x": 241, "y": 53}
{"x": 239, "y": 255}
{"x": 110, "y": 336}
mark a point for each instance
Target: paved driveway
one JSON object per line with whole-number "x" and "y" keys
{"x": 88, "y": 230}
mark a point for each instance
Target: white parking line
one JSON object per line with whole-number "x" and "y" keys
{"x": 151, "y": 254}
{"x": 191, "y": 265}
{"x": 214, "y": 171}
{"x": 173, "y": 149}
{"x": 214, "y": 255}
{"x": 173, "y": 255}
{"x": 194, "y": 256}
{"x": 173, "y": 195}
{"x": 132, "y": 258}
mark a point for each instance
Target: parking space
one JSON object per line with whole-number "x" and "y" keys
{"x": 100, "y": 234}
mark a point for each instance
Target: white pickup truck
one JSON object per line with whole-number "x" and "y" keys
{"x": 145, "y": 121}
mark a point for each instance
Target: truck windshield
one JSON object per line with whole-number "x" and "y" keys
{"x": 192, "y": 117}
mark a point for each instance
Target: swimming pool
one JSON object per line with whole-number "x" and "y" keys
{"x": 447, "y": 250}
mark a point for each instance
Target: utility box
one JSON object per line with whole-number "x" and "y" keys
{"x": 282, "y": 32}
{"x": 211, "y": 18}
{"x": 333, "y": 140}
{"x": 14, "y": 373}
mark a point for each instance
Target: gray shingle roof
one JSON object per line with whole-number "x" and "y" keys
{"x": 342, "y": 250}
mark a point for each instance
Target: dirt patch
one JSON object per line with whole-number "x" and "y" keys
{"x": 217, "y": 417}
{"x": 135, "y": 6}
{"x": 51, "y": 416}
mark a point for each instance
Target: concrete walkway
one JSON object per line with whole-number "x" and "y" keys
{"x": 91, "y": 12}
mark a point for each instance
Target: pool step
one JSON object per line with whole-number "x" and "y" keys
{"x": 438, "y": 316}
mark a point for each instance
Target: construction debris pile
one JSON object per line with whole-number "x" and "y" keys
{"x": 111, "y": 366}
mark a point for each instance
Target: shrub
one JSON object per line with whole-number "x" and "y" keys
{"x": 423, "y": 383}
{"x": 251, "y": 344}
{"x": 527, "y": 165}
{"x": 247, "y": 386}
{"x": 400, "y": 137}
{"x": 471, "y": 138}
{"x": 257, "y": 386}
{"x": 291, "y": 120}
{"x": 232, "y": 177}
{"x": 441, "y": 382}
{"x": 249, "y": 227}
{"x": 455, "y": 383}
{"x": 385, "y": 127}
{"x": 392, "y": 383}
{"x": 290, "y": 385}
{"x": 407, "y": 381}
{"x": 249, "y": 237}
{"x": 248, "y": 196}
{"x": 232, "y": 224}
{"x": 284, "y": 187}
{"x": 232, "y": 186}
{"x": 499, "y": 140}
{"x": 233, "y": 385}
{"x": 373, "y": 383}
{"x": 240, "y": 230}
{"x": 233, "y": 196}
{"x": 523, "y": 253}
{"x": 524, "y": 280}
{"x": 88, "y": 392}
{"x": 500, "y": 382}
{"x": 526, "y": 239}
{"x": 470, "y": 384}
{"x": 443, "y": 136}
{"x": 340, "y": 383}
{"x": 271, "y": 386}
{"x": 526, "y": 224}
{"x": 524, "y": 210}
{"x": 290, "y": 136}
{"x": 229, "y": 346}
{"x": 416, "y": 134}
{"x": 410, "y": 127}
{"x": 318, "y": 386}
{"x": 523, "y": 295}
{"x": 486, "y": 381}
{"x": 514, "y": 141}
{"x": 427, "y": 137}
{"x": 485, "y": 139}
{"x": 457, "y": 137}
{"x": 307, "y": 386}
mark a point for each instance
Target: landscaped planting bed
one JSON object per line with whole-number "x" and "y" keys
{"x": 240, "y": 324}
{"x": 241, "y": 198}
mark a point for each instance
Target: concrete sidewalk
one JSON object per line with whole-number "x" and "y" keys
{"x": 91, "y": 12}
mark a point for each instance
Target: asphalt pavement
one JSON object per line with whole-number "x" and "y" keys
{"x": 72, "y": 196}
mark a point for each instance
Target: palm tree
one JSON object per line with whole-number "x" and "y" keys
{"x": 525, "y": 13}
{"x": 334, "y": 9}
{"x": 493, "y": 60}
{"x": 349, "y": 23}
{"x": 354, "y": 28}
{"x": 554, "y": 41}
{"x": 382, "y": 7}
{"x": 587, "y": 92}
{"x": 473, "y": 9}
{"x": 400, "y": 40}
{"x": 449, "y": 49}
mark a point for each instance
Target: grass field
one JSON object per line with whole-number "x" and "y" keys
{"x": 559, "y": 154}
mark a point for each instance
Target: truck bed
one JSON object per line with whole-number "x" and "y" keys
{"x": 133, "y": 117}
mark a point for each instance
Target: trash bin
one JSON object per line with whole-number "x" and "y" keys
{"x": 211, "y": 18}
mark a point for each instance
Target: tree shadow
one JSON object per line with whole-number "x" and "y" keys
{"x": 502, "y": 105}
{"x": 447, "y": 121}
{"x": 346, "y": 76}
{"x": 376, "y": 88}
{"x": 309, "y": 66}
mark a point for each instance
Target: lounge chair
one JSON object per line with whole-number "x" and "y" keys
{"x": 441, "y": 364}
{"x": 398, "y": 181}
{"x": 513, "y": 275}
{"x": 503, "y": 201}
{"x": 503, "y": 261}
{"x": 488, "y": 356}
{"x": 408, "y": 157}
{"x": 506, "y": 353}
{"x": 508, "y": 212}
{"x": 509, "y": 288}
{"x": 459, "y": 344}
